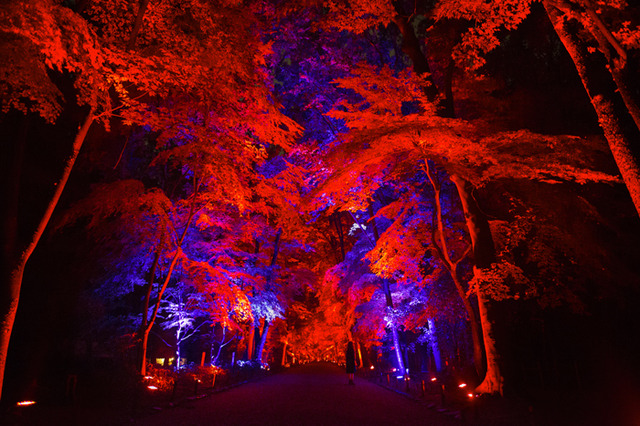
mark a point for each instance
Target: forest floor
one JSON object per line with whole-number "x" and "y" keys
{"x": 318, "y": 394}
{"x": 312, "y": 394}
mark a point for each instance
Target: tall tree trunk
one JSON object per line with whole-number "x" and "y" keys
{"x": 619, "y": 128}
{"x": 265, "y": 330}
{"x": 263, "y": 340}
{"x": 484, "y": 256}
{"x": 479, "y": 231}
{"x": 145, "y": 306}
{"x": 439, "y": 242}
{"x": 386, "y": 288}
{"x": 411, "y": 47}
{"x": 250, "y": 342}
{"x": 10, "y": 295}
{"x": 221, "y": 344}
{"x": 152, "y": 320}
{"x": 398, "y": 350}
{"x": 178, "y": 336}
{"x": 338, "y": 223}
{"x": 284, "y": 354}
{"x": 137, "y": 25}
{"x": 174, "y": 261}
{"x": 433, "y": 343}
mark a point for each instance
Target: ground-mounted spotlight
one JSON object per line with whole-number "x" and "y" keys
{"x": 152, "y": 387}
{"x": 25, "y": 403}
{"x": 462, "y": 385}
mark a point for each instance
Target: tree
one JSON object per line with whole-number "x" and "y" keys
{"x": 179, "y": 311}
{"x": 37, "y": 38}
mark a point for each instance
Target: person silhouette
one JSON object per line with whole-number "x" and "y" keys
{"x": 350, "y": 356}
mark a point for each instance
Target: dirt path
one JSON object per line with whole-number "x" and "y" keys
{"x": 315, "y": 394}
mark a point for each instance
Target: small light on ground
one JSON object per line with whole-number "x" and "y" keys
{"x": 372, "y": 367}
{"x": 151, "y": 387}
{"x": 462, "y": 385}
{"x": 25, "y": 403}
{"x": 470, "y": 395}
{"x": 433, "y": 379}
{"x": 148, "y": 377}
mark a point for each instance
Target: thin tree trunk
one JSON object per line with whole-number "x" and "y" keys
{"x": 484, "y": 256}
{"x": 11, "y": 289}
{"x": 396, "y": 345}
{"x": 152, "y": 320}
{"x": 137, "y": 25}
{"x": 145, "y": 306}
{"x": 433, "y": 342}
{"x": 178, "y": 335}
{"x": 284, "y": 354}
{"x": 221, "y": 344}
{"x": 338, "y": 223}
{"x": 440, "y": 244}
{"x": 250, "y": 342}
{"x": 411, "y": 47}
{"x": 263, "y": 340}
{"x": 386, "y": 288}
{"x": 605, "y": 103}
{"x": 174, "y": 261}
{"x": 616, "y": 59}
{"x": 265, "y": 330}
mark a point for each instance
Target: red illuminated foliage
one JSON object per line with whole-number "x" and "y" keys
{"x": 404, "y": 135}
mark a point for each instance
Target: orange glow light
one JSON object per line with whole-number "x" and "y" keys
{"x": 470, "y": 395}
{"x": 151, "y": 387}
{"x": 433, "y": 379}
{"x": 462, "y": 385}
{"x": 371, "y": 367}
{"x": 25, "y": 403}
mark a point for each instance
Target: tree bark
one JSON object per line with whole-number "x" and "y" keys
{"x": 265, "y": 330}
{"x": 250, "y": 341}
{"x": 284, "y": 354}
{"x": 411, "y": 47}
{"x": 433, "y": 343}
{"x": 178, "y": 336}
{"x": 174, "y": 261}
{"x": 137, "y": 25}
{"x": 484, "y": 256}
{"x": 619, "y": 130}
{"x": 263, "y": 340}
{"x": 386, "y": 288}
{"x": 145, "y": 306}
{"x": 10, "y": 296}
{"x": 439, "y": 242}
